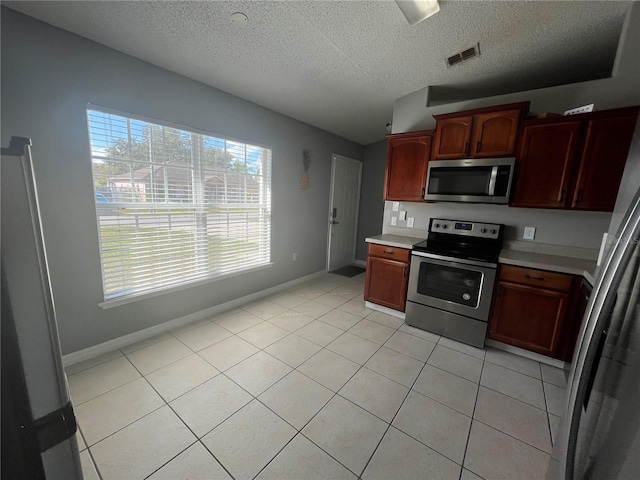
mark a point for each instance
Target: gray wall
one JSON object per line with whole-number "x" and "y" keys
{"x": 371, "y": 195}
{"x": 628, "y": 186}
{"x": 48, "y": 77}
{"x": 553, "y": 227}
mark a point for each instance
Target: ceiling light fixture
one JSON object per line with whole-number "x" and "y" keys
{"x": 417, "y": 10}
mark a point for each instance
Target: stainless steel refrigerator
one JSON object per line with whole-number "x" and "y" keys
{"x": 599, "y": 436}
{"x": 38, "y": 423}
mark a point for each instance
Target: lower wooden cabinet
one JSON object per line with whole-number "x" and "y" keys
{"x": 570, "y": 335}
{"x": 533, "y": 309}
{"x": 387, "y": 276}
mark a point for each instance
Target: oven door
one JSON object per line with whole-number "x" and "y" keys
{"x": 451, "y": 285}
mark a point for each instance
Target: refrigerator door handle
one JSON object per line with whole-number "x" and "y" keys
{"x": 594, "y": 369}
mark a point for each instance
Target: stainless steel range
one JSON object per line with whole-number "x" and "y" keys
{"x": 451, "y": 281}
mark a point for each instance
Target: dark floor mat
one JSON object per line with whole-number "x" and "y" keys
{"x": 349, "y": 271}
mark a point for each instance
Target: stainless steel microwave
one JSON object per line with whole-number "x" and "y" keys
{"x": 471, "y": 180}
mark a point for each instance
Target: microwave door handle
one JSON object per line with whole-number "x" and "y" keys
{"x": 492, "y": 181}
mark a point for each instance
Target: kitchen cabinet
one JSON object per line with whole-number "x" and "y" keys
{"x": 406, "y": 172}
{"x": 531, "y": 309}
{"x": 387, "y": 276}
{"x": 604, "y": 156}
{"x": 480, "y": 133}
{"x": 545, "y": 163}
{"x": 573, "y": 163}
{"x": 572, "y": 328}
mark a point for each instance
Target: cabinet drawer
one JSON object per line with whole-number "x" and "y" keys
{"x": 536, "y": 278}
{"x": 392, "y": 253}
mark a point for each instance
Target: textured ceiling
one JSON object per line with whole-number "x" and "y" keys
{"x": 340, "y": 65}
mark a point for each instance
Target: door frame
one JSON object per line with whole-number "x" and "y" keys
{"x": 335, "y": 157}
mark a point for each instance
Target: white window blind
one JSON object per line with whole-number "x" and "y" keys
{"x": 175, "y": 206}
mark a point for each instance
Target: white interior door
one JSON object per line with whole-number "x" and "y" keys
{"x": 344, "y": 203}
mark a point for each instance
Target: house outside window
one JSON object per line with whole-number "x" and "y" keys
{"x": 174, "y": 205}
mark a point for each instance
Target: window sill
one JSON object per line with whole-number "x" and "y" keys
{"x": 116, "y": 302}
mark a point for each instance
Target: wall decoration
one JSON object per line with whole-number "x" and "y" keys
{"x": 306, "y": 162}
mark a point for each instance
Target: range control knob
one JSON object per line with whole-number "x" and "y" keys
{"x": 466, "y": 296}
{"x": 444, "y": 226}
{"x": 483, "y": 230}
{"x": 493, "y": 231}
{"x": 437, "y": 225}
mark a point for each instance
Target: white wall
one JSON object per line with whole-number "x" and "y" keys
{"x": 48, "y": 77}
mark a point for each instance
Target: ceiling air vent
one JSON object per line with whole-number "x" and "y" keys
{"x": 464, "y": 55}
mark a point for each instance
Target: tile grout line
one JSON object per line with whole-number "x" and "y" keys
{"x": 390, "y": 424}
{"x": 165, "y": 403}
{"x": 299, "y": 430}
{"x": 332, "y": 397}
{"x": 89, "y": 447}
{"x": 475, "y": 403}
{"x": 198, "y": 439}
{"x": 266, "y": 406}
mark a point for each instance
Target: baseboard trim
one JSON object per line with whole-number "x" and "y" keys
{"x": 360, "y": 263}
{"x": 387, "y": 310}
{"x": 525, "y": 353}
{"x": 110, "y": 345}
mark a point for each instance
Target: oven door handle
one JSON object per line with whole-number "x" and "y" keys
{"x": 463, "y": 261}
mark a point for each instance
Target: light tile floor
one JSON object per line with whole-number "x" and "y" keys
{"x": 311, "y": 384}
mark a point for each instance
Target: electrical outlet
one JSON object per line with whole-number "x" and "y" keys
{"x": 529, "y": 233}
{"x": 295, "y": 257}
{"x": 396, "y": 206}
{"x": 410, "y": 222}
{"x": 403, "y": 215}
{"x": 394, "y": 221}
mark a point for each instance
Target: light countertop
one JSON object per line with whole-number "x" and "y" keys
{"x": 555, "y": 263}
{"x": 399, "y": 241}
{"x": 545, "y": 257}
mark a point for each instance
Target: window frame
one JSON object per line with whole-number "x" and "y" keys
{"x": 129, "y": 294}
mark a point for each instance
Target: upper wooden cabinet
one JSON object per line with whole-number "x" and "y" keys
{"x": 603, "y": 159}
{"x": 407, "y": 159}
{"x": 452, "y": 138}
{"x": 481, "y": 133}
{"x": 573, "y": 163}
{"x": 545, "y": 163}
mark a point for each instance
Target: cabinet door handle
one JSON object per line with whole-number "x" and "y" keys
{"x": 422, "y": 194}
{"x": 478, "y": 146}
{"x": 533, "y": 278}
{"x": 406, "y": 270}
{"x": 579, "y": 197}
{"x": 466, "y": 148}
{"x": 561, "y": 199}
